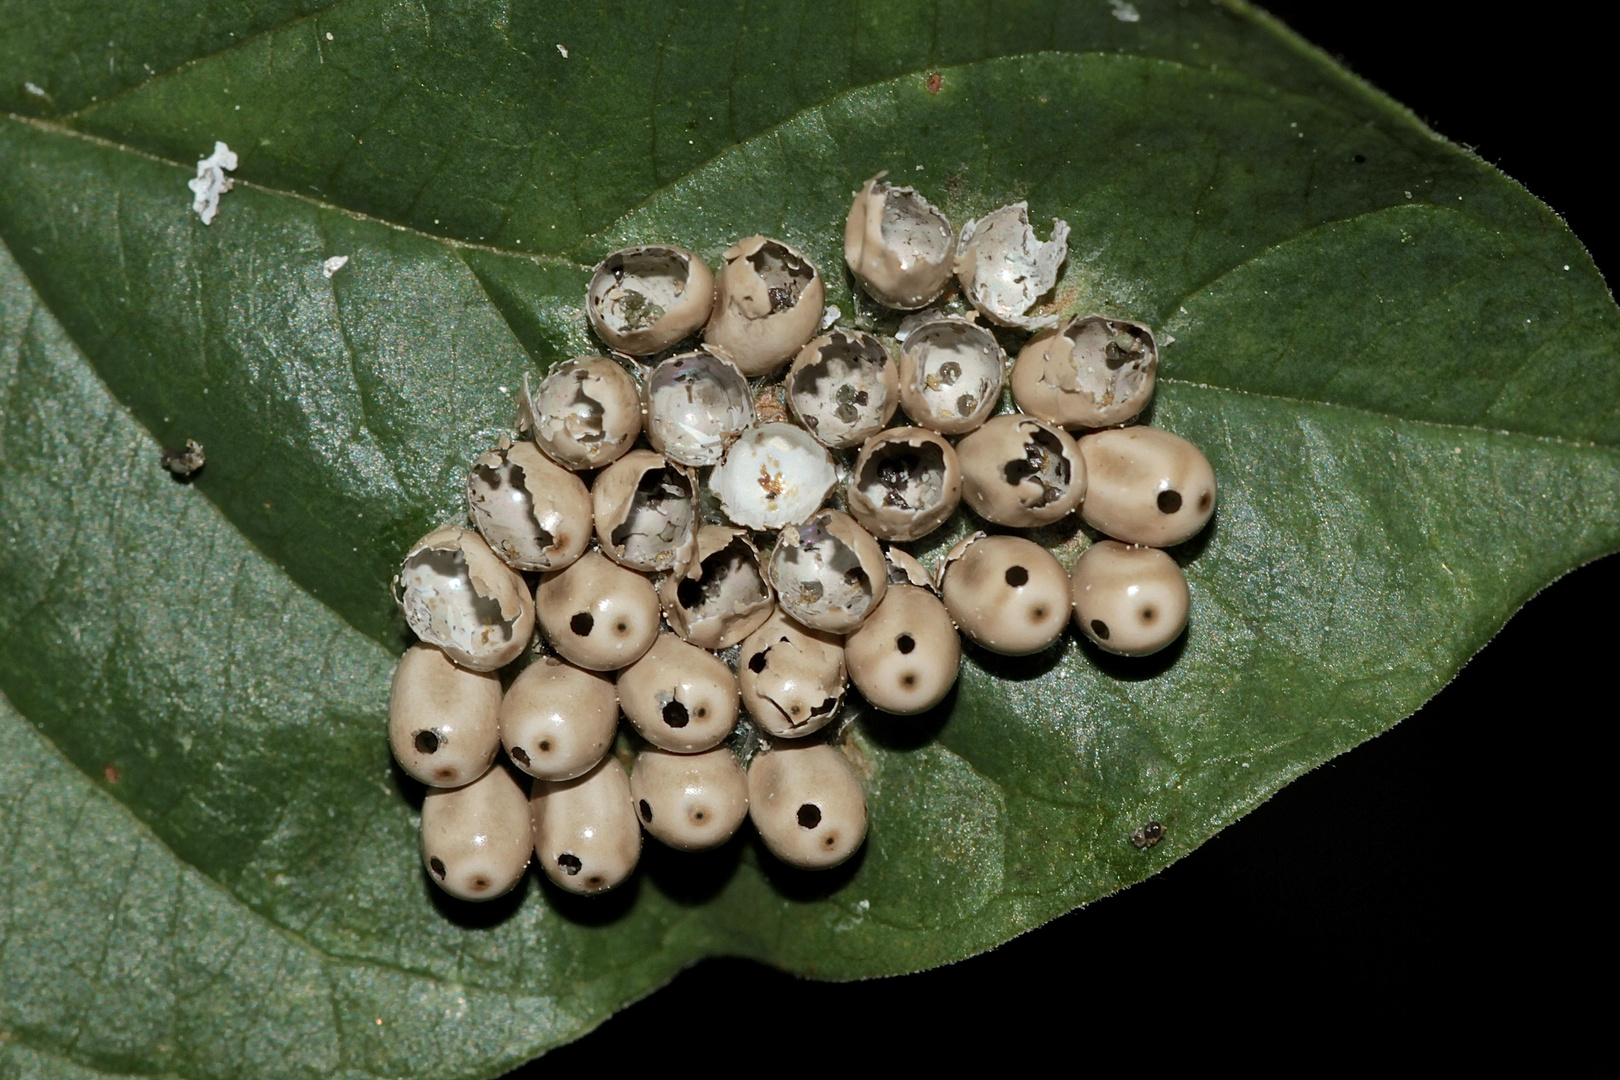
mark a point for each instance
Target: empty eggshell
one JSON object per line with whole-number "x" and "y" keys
{"x": 1092, "y": 372}
{"x": 898, "y": 246}
{"x": 697, "y": 403}
{"x": 768, "y": 303}
{"x": 906, "y": 482}
{"x": 457, "y": 594}
{"x": 646, "y": 511}
{"x": 1004, "y": 269}
{"x": 1020, "y": 471}
{"x": 951, "y": 372}
{"x": 723, "y": 595}
{"x": 843, "y": 387}
{"x": 773, "y": 475}
{"x": 645, "y": 299}
{"x": 534, "y": 514}
{"x": 586, "y": 412}
{"x": 828, "y": 572}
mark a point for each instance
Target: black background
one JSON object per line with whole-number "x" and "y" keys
{"x": 1432, "y": 893}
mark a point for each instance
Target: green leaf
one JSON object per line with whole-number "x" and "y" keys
{"x": 207, "y": 867}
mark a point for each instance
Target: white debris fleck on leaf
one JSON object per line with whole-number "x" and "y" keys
{"x": 211, "y": 181}
{"x": 334, "y": 264}
{"x": 1125, "y": 12}
{"x": 562, "y": 50}
{"x": 35, "y": 89}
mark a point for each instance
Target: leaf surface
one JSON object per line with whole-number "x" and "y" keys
{"x": 1399, "y": 363}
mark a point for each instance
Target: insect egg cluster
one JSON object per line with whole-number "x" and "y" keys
{"x": 690, "y": 549}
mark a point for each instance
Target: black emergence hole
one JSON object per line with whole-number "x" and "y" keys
{"x": 519, "y": 755}
{"x": 1360, "y": 159}
{"x": 1017, "y": 576}
{"x": 675, "y": 714}
{"x": 809, "y": 815}
{"x": 1169, "y": 501}
{"x": 905, "y": 643}
{"x": 1099, "y": 628}
{"x": 689, "y": 593}
{"x": 436, "y": 864}
{"x": 646, "y": 811}
{"x": 582, "y": 624}
{"x": 427, "y": 742}
{"x": 570, "y": 863}
{"x": 756, "y": 663}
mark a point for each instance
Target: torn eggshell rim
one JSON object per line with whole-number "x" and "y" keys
{"x": 1020, "y": 319}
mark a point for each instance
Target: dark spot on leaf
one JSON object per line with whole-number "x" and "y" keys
{"x": 1017, "y": 576}
{"x": 1169, "y": 501}
{"x": 1147, "y": 835}
{"x": 809, "y": 815}
{"x": 756, "y": 663}
{"x": 111, "y": 773}
{"x": 646, "y": 811}
{"x": 935, "y": 82}
{"x": 569, "y": 863}
{"x": 675, "y": 714}
{"x": 1099, "y": 628}
{"x": 427, "y": 742}
{"x": 905, "y": 643}
{"x": 582, "y": 623}
{"x": 436, "y": 864}
{"x": 1360, "y": 159}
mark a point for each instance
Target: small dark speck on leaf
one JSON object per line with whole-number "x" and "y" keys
{"x": 1147, "y": 836}
{"x": 111, "y": 773}
{"x": 185, "y": 461}
{"x": 935, "y": 83}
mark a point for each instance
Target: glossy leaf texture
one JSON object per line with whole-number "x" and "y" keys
{"x": 1401, "y": 365}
